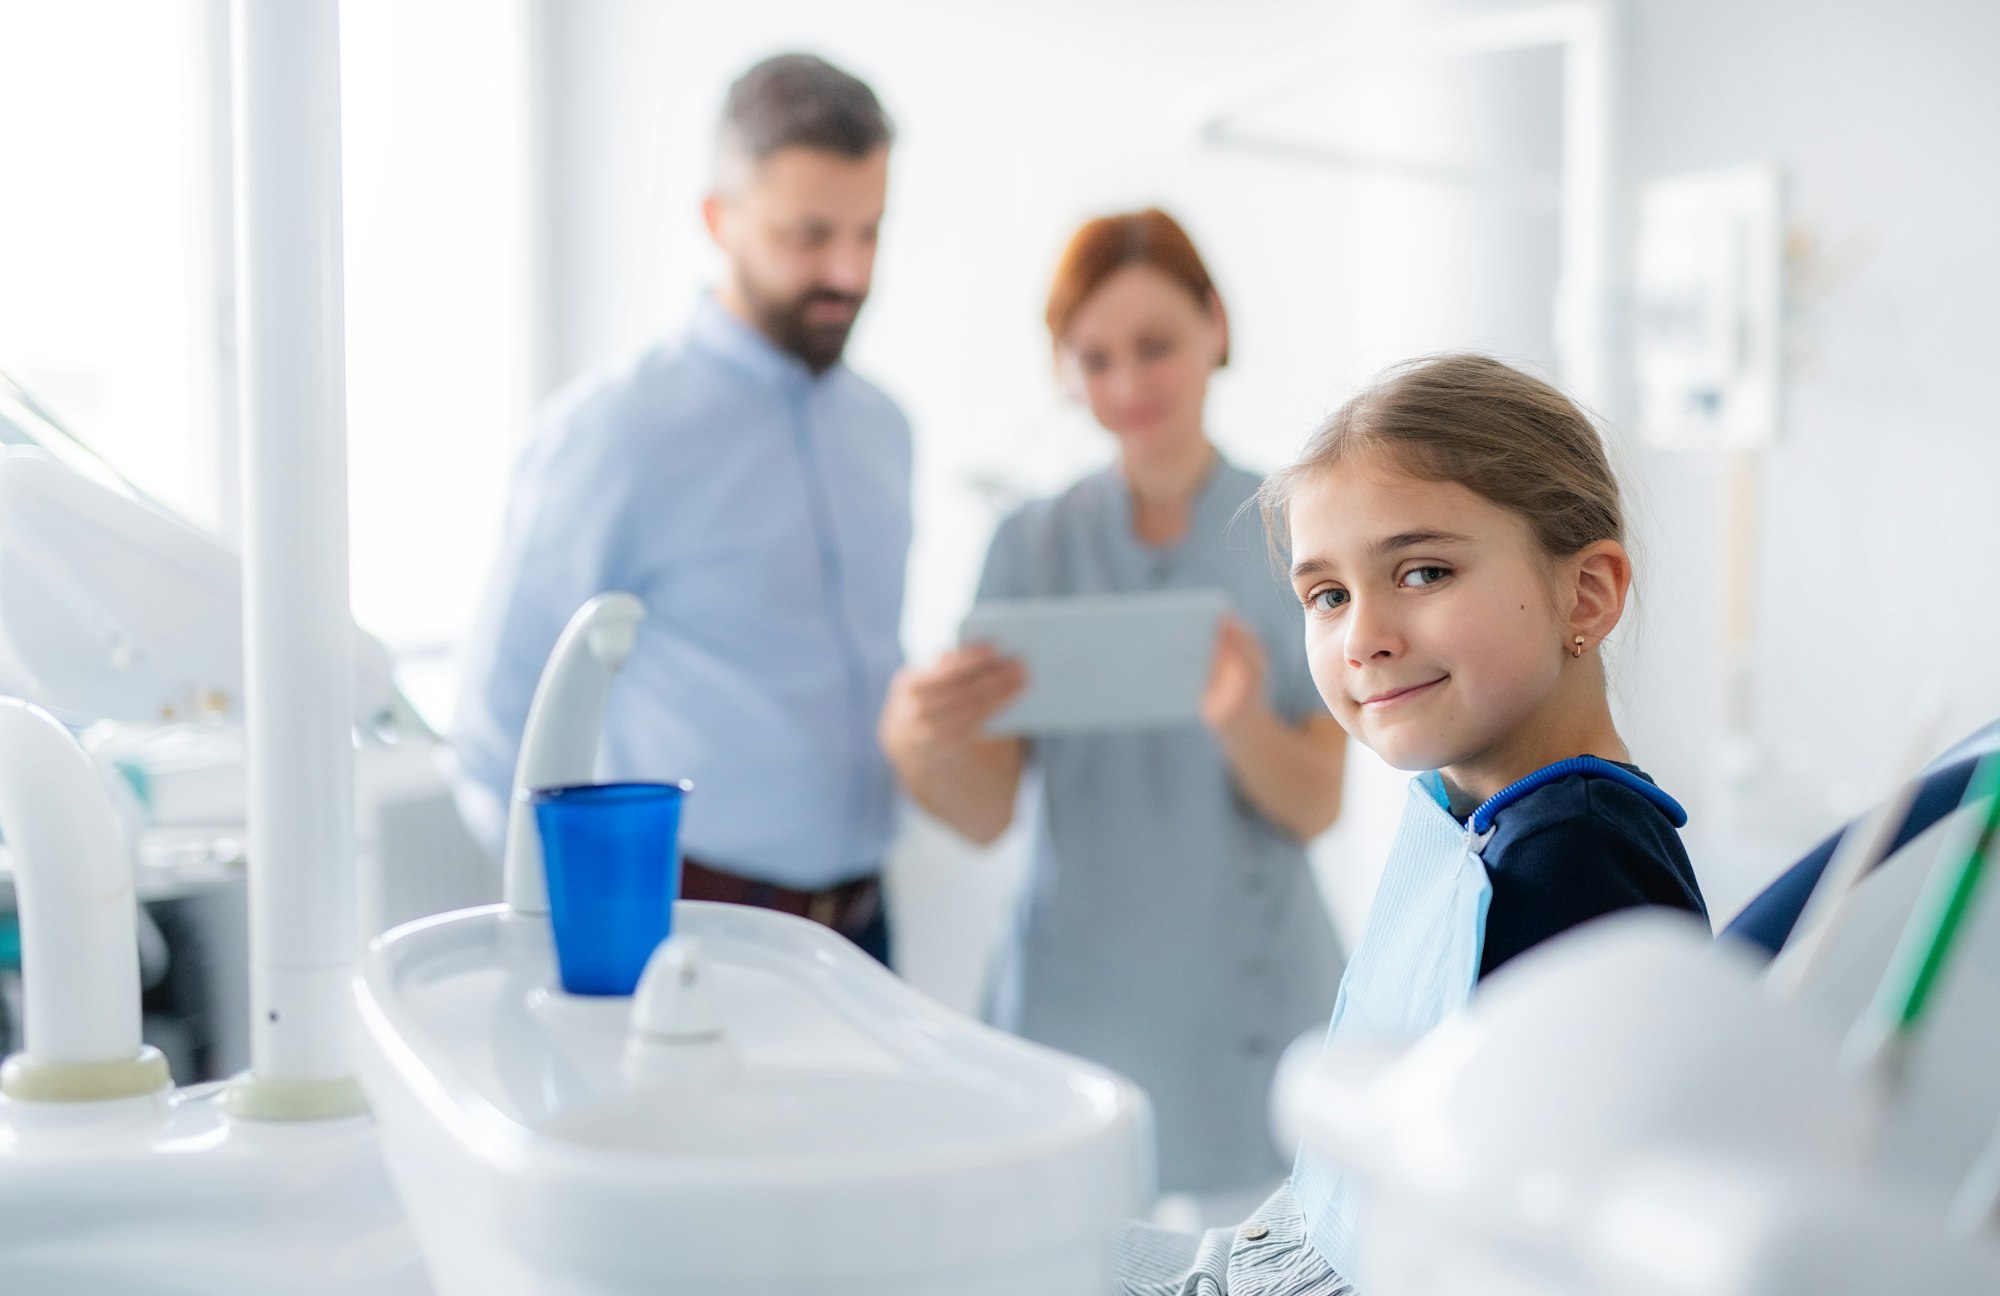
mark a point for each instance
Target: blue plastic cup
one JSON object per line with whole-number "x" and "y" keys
{"x": 612, "y": 855}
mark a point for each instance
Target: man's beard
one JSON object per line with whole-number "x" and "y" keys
{"x": 818, "y": 346}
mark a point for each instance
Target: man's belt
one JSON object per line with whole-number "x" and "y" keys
{"x": 846, "y": 908}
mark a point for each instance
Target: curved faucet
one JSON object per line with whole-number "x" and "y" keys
{"x": 559, "y": 744}
{"x": 79, "y": 930}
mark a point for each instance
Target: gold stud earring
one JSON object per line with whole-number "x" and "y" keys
{"x": 1576, "y": 646}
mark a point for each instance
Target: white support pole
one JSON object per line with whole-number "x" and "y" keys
{"x": 298, "y": 643}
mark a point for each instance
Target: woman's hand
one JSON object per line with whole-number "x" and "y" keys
{"x": 935, "y": 714}
{"x": 932, "y": 731}
{"x": 1291, "y": 772}
{"x": 1235, "y": 689}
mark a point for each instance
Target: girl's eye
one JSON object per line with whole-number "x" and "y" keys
{"x": 1326, "y": 600}
{"x": 1155, "y": 348}
{"x": 1425, "y": 575}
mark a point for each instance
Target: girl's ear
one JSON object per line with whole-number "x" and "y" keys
{"x": 1603, "y": 577}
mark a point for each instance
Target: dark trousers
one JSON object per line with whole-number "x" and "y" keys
{"x": 873, "y": 937}
{"x": 854, "y": 909}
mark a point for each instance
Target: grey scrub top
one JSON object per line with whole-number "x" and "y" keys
{"x": 1168, "y": 930}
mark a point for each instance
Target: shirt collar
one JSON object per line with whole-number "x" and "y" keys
{"x": 715, "y": 330}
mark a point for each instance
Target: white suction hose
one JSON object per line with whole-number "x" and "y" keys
{"x": 79, "y": 936}
{"x": 559, "y": 744}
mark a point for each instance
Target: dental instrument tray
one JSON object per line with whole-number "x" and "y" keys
{"x": 1104, "y": 661}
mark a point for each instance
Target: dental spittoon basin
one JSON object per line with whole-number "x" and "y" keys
{"x": 834, "y": 1132}
{"x": 773, "y": 1112}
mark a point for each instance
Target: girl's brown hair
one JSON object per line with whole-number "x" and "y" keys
{"x": 1506, "y": 436}
{"x": 1109, "y": 244}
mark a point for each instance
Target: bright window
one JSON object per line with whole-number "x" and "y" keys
{"x": 435, "y": 159}
{"x": 115, "y": 273}
{"x": 111, "y": 306}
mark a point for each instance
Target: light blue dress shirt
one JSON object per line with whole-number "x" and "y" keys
{"x": 763, "y": 517}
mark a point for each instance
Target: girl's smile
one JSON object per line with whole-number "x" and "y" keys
{"x": 1397, "y": 696}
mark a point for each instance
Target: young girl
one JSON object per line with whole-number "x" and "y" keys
{"x": 1456, "y": 538}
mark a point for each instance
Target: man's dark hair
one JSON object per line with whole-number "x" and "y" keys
{"x": 798, "y": 101}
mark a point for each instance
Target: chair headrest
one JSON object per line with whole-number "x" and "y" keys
{"x": 1766, "y": 923}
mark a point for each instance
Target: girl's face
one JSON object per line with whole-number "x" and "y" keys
{"x": 1142, "y": 348}
{"x": 1431, "y": 624}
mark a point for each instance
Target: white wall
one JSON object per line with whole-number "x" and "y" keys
{"x": 439, "y": 376}
{"x": 109, "y": 311}
{"x": 1876, "y": 506}
{"x": 1016, "y": 122}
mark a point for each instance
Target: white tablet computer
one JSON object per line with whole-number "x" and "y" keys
{"x": 1103, "y": 661}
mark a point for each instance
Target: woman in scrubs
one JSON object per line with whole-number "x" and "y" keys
{"x": 1170, "y": 928}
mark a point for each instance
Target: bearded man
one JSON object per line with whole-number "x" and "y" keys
{"x": 754, "y": 493}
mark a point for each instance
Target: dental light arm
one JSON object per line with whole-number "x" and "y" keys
{"x": 113, "y": 608}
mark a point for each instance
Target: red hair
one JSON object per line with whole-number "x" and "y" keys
{"x": 1109, "y": 244}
